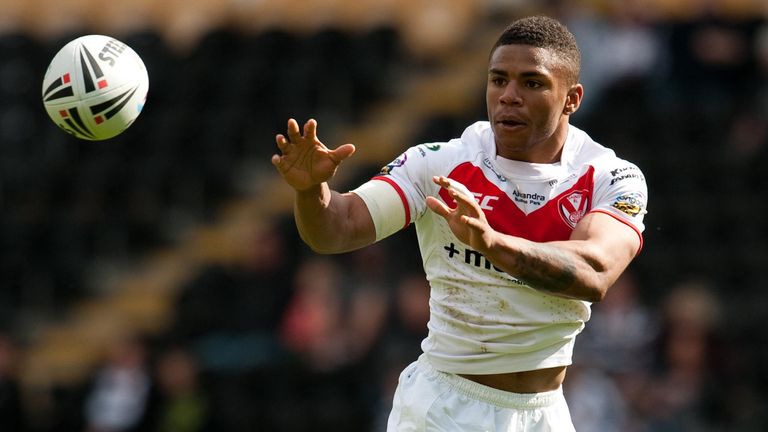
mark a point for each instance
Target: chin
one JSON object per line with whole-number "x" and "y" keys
{"x": 511, "y": 151}
{"x": 512, "y": 141}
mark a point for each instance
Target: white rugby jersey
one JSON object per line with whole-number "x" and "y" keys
{"x": 482, "y": 320}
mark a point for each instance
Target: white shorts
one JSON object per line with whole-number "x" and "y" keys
{"x": 429, "y": 400}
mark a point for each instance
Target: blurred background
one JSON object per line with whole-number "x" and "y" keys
{"x": 155, "y": 281}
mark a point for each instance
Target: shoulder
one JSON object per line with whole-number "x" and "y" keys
{"x": 439, "y": 157}
{"x": 478, "y": 134}
{"x": 475, "y": 139}
{"x": 620, "y": 189}
{"x": 605, "y": 161}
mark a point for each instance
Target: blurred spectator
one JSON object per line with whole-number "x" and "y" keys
{"x": 407, "y": 325}
{"x": 755, "y": 135}
{"x": 761, "y": 52}
{"x": 748, "y": 135}
{"x": 612, "y": 359}
{"x": 690, "y": 354}
{"x": 312, "y": 326}
{"x": 621, "y": 331}
{"x": 182, "y": 404}
{"x": 366, "y": 319}
{"x": 401, "y": 342}
{"x": 328, "y": 333}
{"x": 598, "y": 403}
{"x": 713, "y": 59}
{"x": 11, "y": 412}
{"x": 620, "y": 47}
{"x": 118, "y": 400}
{"x": 229, "y": 312}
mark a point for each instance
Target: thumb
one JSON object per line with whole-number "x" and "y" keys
{"x": 342, "y": 152}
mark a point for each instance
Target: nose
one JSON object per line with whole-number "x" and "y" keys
{"x": 511, "y": 96}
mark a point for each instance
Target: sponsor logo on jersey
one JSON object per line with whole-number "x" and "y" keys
{"x": 631, "y": 204}
{"x": 484, "y": 201}
{"x": 528, "y": 198}
{"x": 430, "y": 147}
{"x": 574, "y": 206}
{"x": 617, "y": 171}
{"x": 400, "y": 161}
{"x": 489, "y": 165}
{"x": 625, "y": 173}
{"x": 476, "y": 259}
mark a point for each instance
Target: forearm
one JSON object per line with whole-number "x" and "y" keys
{"x": 567, "y": 269}
{"x": 325, "y": 221}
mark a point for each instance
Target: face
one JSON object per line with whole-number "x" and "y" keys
{"x": 529, "y": 98}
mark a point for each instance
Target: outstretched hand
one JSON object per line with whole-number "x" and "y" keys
{"x": 467, "y": 221}
{"x": 304, "y": 161}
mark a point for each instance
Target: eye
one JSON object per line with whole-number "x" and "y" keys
{"x": 498, "y": 81}
{"x": 533, "y": 84}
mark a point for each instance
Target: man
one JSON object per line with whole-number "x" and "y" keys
{"x": 522, "y": 223}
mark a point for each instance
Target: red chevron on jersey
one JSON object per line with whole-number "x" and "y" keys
{"x": 554, "y": 220}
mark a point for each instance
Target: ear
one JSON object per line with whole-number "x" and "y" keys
{"x": 573, "y": 99}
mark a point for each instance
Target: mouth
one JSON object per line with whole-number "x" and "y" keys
{"x": 510, "y": 123}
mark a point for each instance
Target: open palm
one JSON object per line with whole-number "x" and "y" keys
{"x": 467, "y": 221}
{"x": 304, "y": 161}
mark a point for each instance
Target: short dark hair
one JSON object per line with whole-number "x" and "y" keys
{"x": 544, "y": 32}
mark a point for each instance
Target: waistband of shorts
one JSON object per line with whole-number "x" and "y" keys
{"x": 489, "y": 394}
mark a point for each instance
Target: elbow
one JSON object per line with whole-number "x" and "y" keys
{"x": 319, "y": 247}
{"x": 591, "y": 290}
{"x": 595, "y": 295}
{"x": 315, "y": 245}
{"x": 596, "y": 282}
{"x": 582, "y": 292}
{"x": 320, "y": 250}
{"x": 595, "y": 291}
{"x": 326, "y": 246}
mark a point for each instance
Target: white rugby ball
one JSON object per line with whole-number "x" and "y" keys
{"x": 95, "y": 87}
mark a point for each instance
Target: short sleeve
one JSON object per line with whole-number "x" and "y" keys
{"x": 621, "y": 192}
{"x": 386, "y": 205}
{"x": 396, "y": 196}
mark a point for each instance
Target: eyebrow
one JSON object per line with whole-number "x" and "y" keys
{"x": 493, "y": 71}
{"x": 527, "y": 74}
